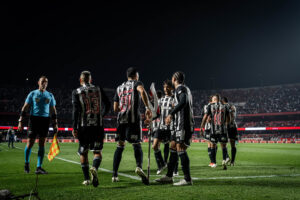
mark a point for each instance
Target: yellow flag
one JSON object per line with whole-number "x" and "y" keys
{"x": 54, "y": 149}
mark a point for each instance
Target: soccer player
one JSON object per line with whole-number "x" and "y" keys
{"x": 232, "y": 129}
{"x": 126, "y": 104}
{"x": 90, "y": 104}
{"x": 163, "y": 133}
{"x": 219, "y": 113}
{"x": 207, "y": 134}
{"x": 41, "y": 105}
{"x": 11, "y": 137}
{"x": 182, "y": 117}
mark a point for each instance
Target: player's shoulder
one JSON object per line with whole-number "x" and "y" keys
{"x": 181, "y": 89}
{"x": 49, "y": 93}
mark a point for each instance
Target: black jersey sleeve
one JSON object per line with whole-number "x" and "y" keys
{"x": 106, "y": 102}
{"x": 76, "y": 109}
{"x": 182, "y": 100}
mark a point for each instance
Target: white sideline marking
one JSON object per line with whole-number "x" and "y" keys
{"x": 101, "y": 169}
{"x": 194, "y": 178}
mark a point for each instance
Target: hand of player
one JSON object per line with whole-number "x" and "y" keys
{"x": 201, "y": 132}
{"x": 20, "y": 127}
{"x": 148, "y": 114}
{"x": 75, "y": 133}
{"x": 147, "y": 121}
{"x": 168, "y": 119}
{"x": 55, "y": 129}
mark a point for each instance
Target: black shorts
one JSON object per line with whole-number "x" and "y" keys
{"x": 232, "y": 133}
{"x": 130, "y": 132}
{"x": 90, "y": 138}
{"x": 182, "y": 137}
{"x": 163, "y": 135}
{"x": 38, "y": 126}
{"x": 207, "y": 135}
{"x": 215, "y": 138}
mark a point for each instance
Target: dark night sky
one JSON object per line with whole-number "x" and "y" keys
{"x": 218, "y": 45}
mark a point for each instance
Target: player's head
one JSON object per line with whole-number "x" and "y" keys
{"x": 224, "y": 100}
{"x": 168, "y": 87}
{"x": 210, "y": 98}
{"x": 159, "y": 94}
{"x": 132, "y": 73}
{"x": 43, "y": 83}
{"x": 85, "y": 77}
{"x": 215, "y": 98}
{"x": 178, "y": 78}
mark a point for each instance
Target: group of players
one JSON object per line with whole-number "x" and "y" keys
{"x": 174, "y": 125}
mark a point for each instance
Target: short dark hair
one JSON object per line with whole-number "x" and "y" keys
{"x": 225, "y": 99}
{"x": 168, "y": 83}
{"x": 159, "y": 94}
{"x": 131, "y": 72}
{"x": 179, "y": 76}
{"x": 86, "y": 76}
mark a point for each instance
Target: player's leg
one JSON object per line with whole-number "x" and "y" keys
{"x": 233, "y": 151}
{"x": 117, "y": 159}
{"x": 96, "y": 145}
{"x": 185, "y": 163}
{"x": 225, "y": 155}
{"x": 121, "y": 137}
{"x": 166, "y": 151}
{"x": 157, "y": 154}
{"x": 84, "y": 161}
{"x": 168, "y": 178}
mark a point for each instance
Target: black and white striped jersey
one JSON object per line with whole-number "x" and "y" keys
{"x": 207, "y": 125}
{"x": 166, "y": 104}
{"x": 88, "y": 101}
{"x": 129, "y": 102}
{"x": 183, "y": 110}
{"x": 219, "y": 114}
{"x": 233, "y": 114}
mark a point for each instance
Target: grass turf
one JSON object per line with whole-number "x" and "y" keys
{"x": 243, "y": 181}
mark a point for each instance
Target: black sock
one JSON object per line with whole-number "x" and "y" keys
{"x": 172, "y": 162}
{"x": 209, "y": 154}
{"x": 213, "y": 154}
{"x": 225, "y": 153}
{"x": 97, "y": 162}
{"x": 138, "y": 154}
{"x": 166, "y": 152}
{"x": 159, "y": 159}
{"x": 117, "y": 160}
{"x": 233, "y": 153}
{"x": 176, "y": 167}
{"x": 185, "y": 165}
{"x": 85, "y": 170}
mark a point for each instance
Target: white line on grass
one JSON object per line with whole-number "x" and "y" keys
{"x": 194, "y": 178}
{"x": 101, "y": 169}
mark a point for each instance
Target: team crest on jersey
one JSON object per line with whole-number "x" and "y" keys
{"x": 37, "y": 100}
{"x": 47, "y": 101}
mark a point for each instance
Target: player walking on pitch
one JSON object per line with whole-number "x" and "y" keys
{"x": 90, "y": 104}
{"x": 126, "y": 104}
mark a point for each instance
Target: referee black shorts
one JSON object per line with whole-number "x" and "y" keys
{"x": 38, "y": 126}
{"x": 90, "y": 138}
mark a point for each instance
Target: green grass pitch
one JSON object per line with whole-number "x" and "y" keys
{"x": 262, "y": 171}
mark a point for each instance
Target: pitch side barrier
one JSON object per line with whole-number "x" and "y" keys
{"x": 113, "y": 130}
